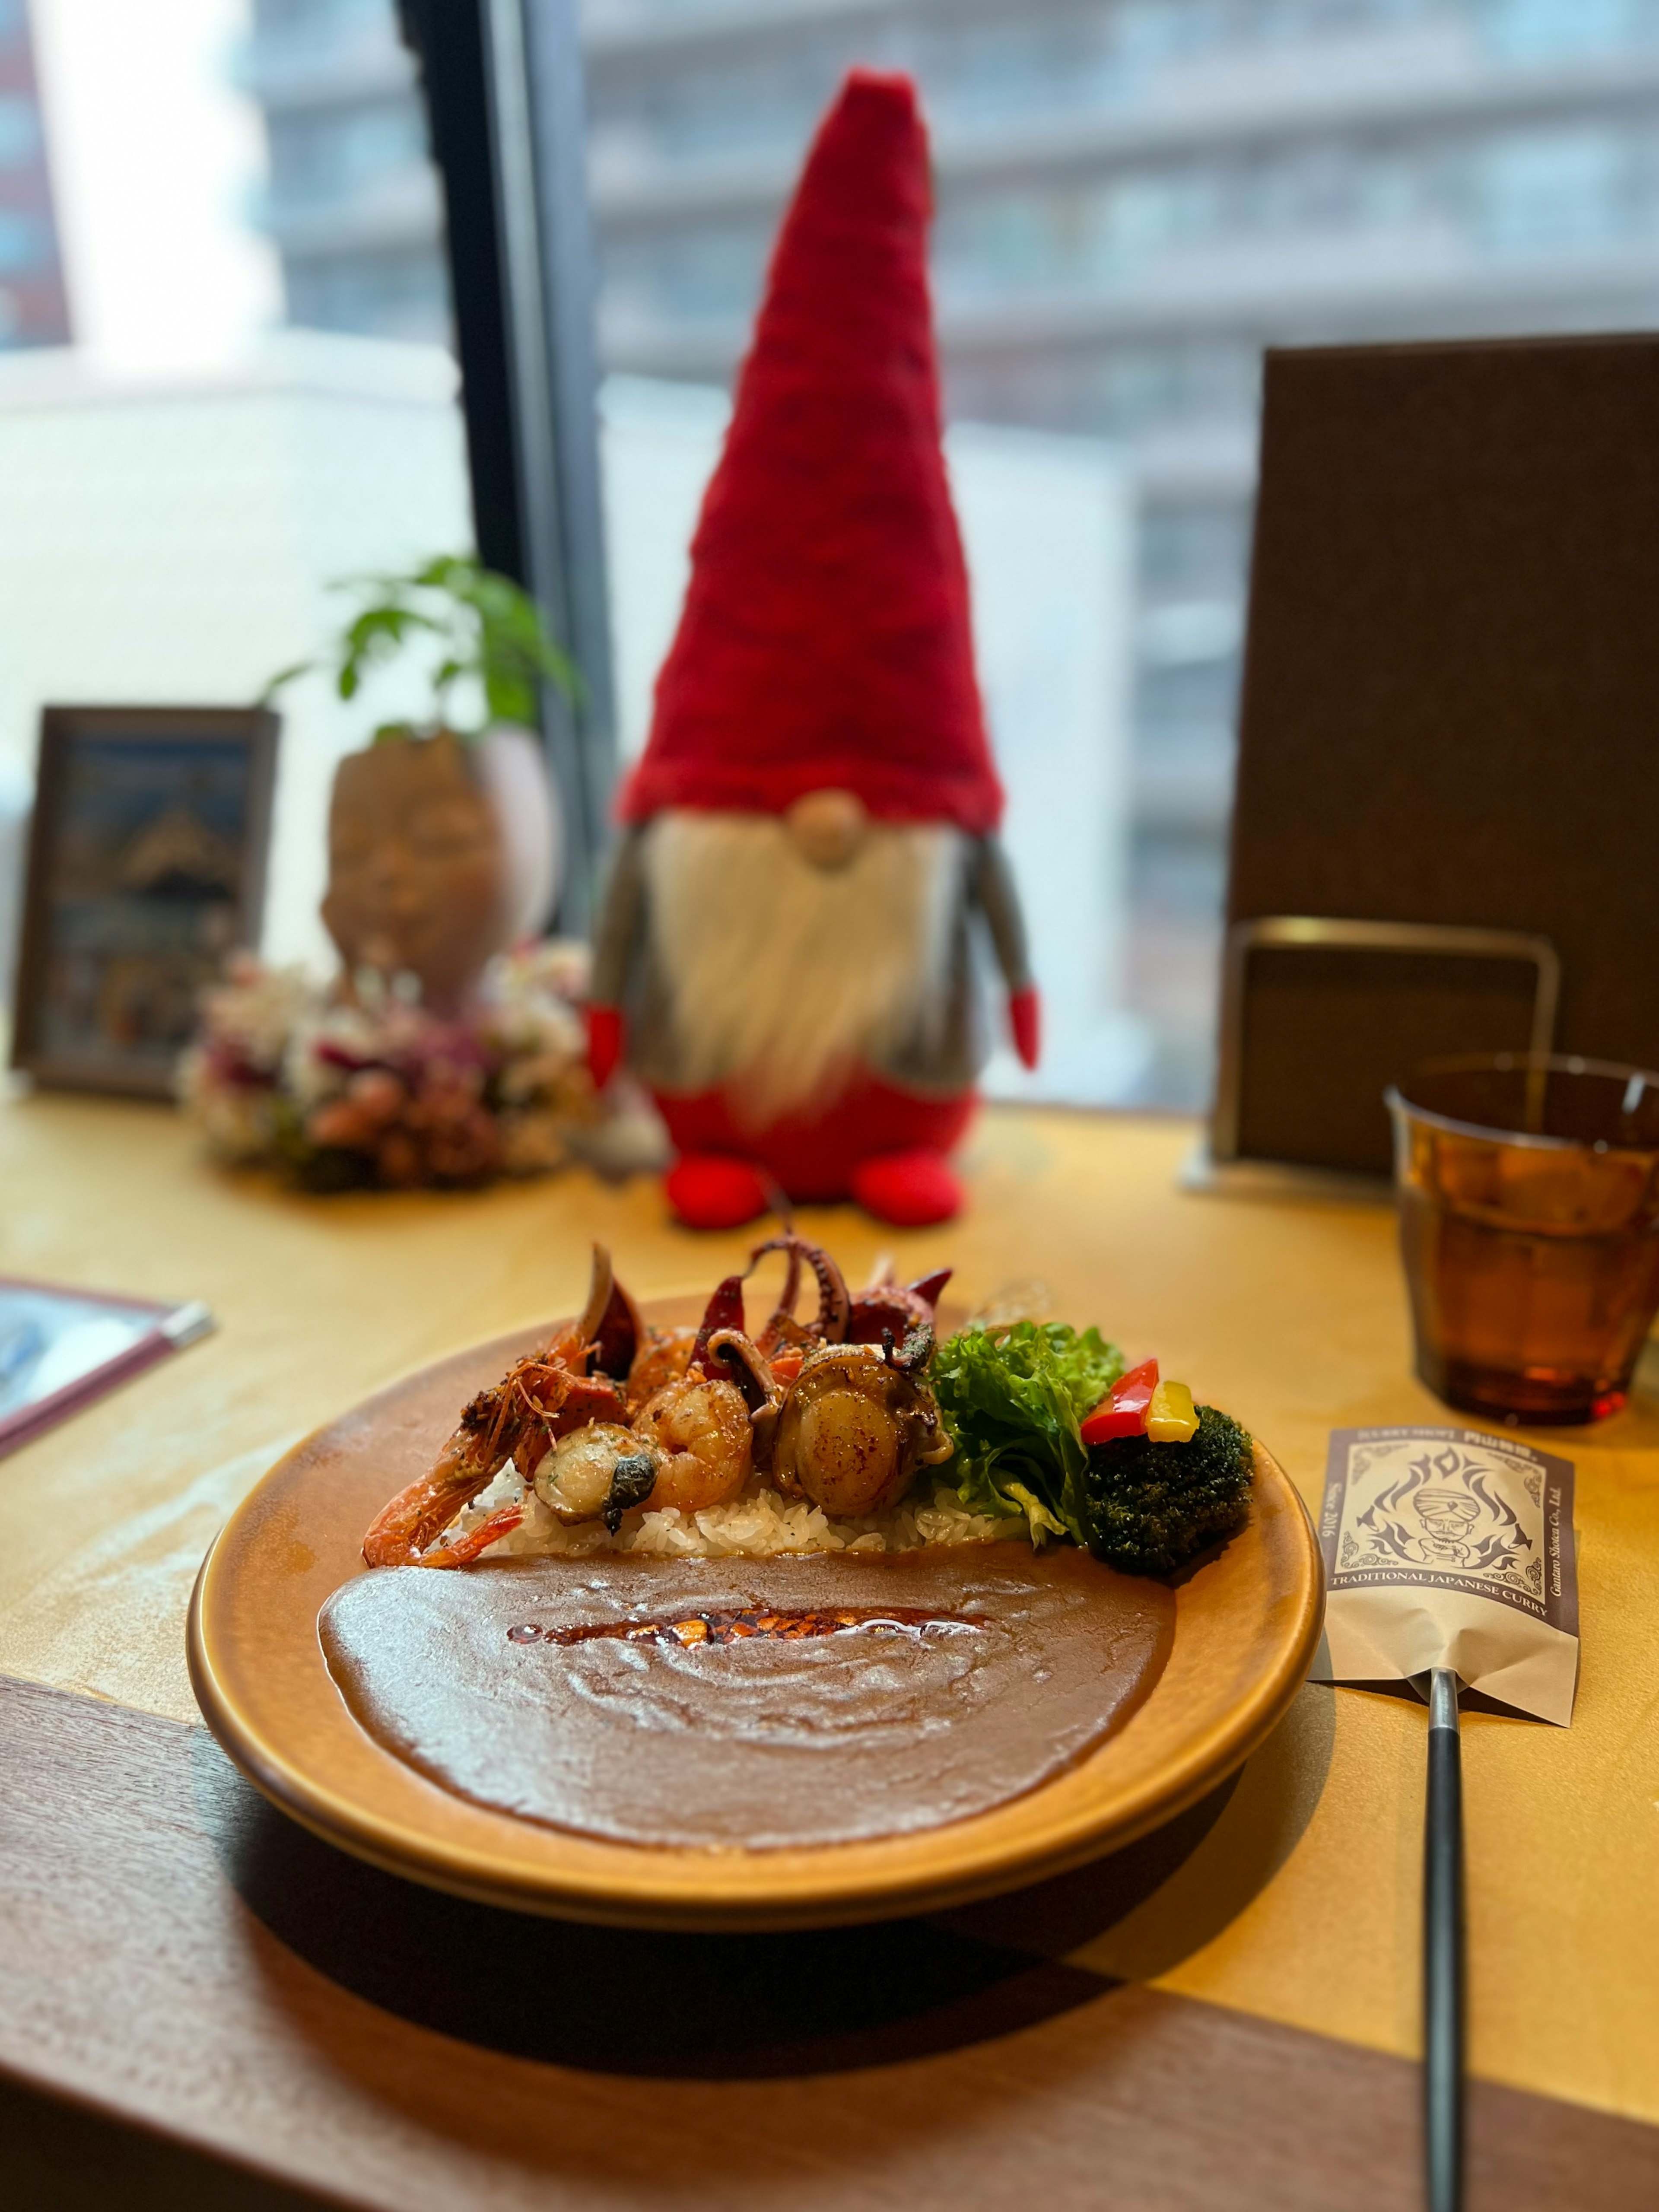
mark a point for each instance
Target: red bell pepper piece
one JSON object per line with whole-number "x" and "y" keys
{"x": 1124, "y": 1414}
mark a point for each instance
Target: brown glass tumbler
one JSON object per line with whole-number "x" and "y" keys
{"x": 1530, "y": 1227}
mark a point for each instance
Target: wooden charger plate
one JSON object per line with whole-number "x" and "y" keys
{"x": 1246, "y": 1624}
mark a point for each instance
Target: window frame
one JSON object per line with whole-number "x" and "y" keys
{"x": 503, "y": 86}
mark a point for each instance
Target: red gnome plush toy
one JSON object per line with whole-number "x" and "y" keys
{"x": 786, "y": 947}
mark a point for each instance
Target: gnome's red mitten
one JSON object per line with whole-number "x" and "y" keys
{"x": 605, "y": 1043}
{"x": 1025, "y": 1020}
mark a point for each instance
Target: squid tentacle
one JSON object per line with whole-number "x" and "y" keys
{"x": 835, "y": 1302}
{"x": 723, "y": 1311}
{"x": 746, "y": 1367}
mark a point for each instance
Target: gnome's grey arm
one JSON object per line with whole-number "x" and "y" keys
{"x": 617, "y": 938}
{"x": 991, "y": 888}
{"x": 617, "y": 931}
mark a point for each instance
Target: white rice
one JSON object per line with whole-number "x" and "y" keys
{"x": 754, "y": 1524}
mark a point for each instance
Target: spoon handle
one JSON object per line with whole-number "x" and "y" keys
{"x": 1443, "y": 1951}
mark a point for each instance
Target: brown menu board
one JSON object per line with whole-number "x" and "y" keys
{"x": 1451, "y": 705}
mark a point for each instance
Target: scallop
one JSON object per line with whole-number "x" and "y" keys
{"x": 574, "y": 1478}
{"x": 854, "y": 1430}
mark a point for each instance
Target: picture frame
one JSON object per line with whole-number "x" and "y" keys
{"x": 146, "y": 866}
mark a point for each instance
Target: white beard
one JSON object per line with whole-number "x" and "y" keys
{"x": 783, "y": 977}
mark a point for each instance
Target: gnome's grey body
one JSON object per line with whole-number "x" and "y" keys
{"x": 688, "y": 1031}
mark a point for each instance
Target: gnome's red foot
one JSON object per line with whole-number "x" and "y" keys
{"x": 712, "y": 1190}
{"x": 911, "y": 1189}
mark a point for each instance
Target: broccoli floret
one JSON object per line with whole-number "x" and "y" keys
{"x": 1152, "y": 1506}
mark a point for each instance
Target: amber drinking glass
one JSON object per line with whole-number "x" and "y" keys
{"x": 1530, "y": 1227}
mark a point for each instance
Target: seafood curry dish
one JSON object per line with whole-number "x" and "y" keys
{"x": 824, "y": 1579}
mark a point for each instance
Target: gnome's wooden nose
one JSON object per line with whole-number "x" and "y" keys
{"x": 829, "y": 828}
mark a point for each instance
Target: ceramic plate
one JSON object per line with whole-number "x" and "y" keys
{"x": 1246, "y": 1624}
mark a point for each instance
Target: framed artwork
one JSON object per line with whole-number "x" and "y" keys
{"x": 146, "y": 865}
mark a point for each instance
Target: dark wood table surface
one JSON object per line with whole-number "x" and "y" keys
{"x": 245, "y": 2017}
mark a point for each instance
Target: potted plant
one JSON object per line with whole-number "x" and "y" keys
{"x": 443, "y": 851}
{"x": 444, "y": 832}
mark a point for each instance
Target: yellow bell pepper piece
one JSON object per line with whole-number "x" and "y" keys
{"x": 1172, "y": 1417}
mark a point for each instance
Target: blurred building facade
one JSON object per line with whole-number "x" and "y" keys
{"x": 352, "y": 202}
{"x": 1134, "y": 198}
{"x": 33, "y": 304}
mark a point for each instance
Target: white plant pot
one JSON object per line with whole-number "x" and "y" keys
{"x": 513, "y": 764}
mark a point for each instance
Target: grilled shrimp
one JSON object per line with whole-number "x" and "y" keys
{"x": 663, "y": 1357}
{"x": 538, "y": 1399}
{"x": 701, "y": 1433}
{"x": 855, "y": 1427}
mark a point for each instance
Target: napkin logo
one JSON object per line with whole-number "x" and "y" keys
{"x": 1445, "y": 1511}
{"x": 1443, "y": 1507}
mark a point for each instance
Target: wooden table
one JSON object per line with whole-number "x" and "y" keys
{"x": 1224, "y": 2015}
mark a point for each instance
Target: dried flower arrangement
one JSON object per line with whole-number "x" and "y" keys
{"x": 380, "y": 1091}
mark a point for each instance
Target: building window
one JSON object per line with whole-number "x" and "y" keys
{"x": 1533, "y": 190}
{"x": 20, "y": 132}
{"x": 25, "y": 243}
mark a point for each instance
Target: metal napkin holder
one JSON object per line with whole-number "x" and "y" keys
{"x": 1215, "y": 1162}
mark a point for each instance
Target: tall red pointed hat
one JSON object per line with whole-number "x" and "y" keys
{"x": 825, "y": 637}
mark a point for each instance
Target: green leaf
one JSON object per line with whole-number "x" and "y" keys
{"x": 509, "y": 699}
{"x": 1013, "y": 1401}
{"x": 444, "y": 572}
{"x": 487, "y": 626}
{"x": 381, "y": 630}
{"x": 282, "y": 678}
{"x": 1040, "y": 1520}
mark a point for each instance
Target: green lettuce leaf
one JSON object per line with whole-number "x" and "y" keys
{"x": 1013, "y": 1401}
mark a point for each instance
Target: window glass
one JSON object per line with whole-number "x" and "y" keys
{"x": 226, "y": 378}
{"x": 20, "y": 130}
{"x": 1133, "y": 197}
{"x": 1547, "y": 30}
